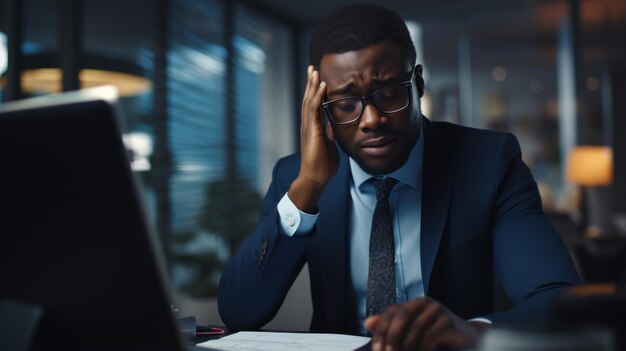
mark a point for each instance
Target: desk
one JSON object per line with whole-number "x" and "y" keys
{"x": 595, "y": 304}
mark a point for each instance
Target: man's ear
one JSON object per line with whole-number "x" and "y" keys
{"x": 419, "y": 80}
{"x": 329, "y": 131}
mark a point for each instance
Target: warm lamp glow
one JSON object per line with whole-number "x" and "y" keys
{"x": 590, "y": 165}
{"x": 42, "y": 80}
{"x": 126, "y": 84}
{"x": 48, "y": 81}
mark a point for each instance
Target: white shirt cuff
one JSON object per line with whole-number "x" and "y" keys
{"x": 292, "y": 221}
{"x": 484, "y": 320}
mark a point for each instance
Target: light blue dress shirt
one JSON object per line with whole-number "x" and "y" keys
{"x": 406, "y": 207}
{"x": 405, "y": 201}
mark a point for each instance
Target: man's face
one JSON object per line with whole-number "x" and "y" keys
{"x": 379, "y": 142}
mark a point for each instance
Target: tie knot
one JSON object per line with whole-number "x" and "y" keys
{"x": 383, "y": 188}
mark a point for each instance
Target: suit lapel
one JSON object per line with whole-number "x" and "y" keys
{"x": 438, "y": 172}
{"x": 332, "y": 229}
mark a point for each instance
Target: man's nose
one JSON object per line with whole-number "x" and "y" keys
{"x": 372, "y": 118}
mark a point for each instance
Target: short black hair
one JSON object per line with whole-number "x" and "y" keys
{"x": 354, "y": 27}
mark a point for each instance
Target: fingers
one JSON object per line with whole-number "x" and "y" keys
{"x": 441, "y": 328}
{"x": 372, "y": 322}
{"x": 422, "y": 324}
{"x": 399, "y": 325}
{"x": 313, "y": 96}
{"x": 394, "y": 324}
{"x": 308, "y": 86}
{"x": 379, "y": 334}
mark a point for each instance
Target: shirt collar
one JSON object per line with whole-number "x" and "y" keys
{"x": 410, "y": 173}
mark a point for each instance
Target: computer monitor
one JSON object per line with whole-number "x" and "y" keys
{"x": 74, "y": 239}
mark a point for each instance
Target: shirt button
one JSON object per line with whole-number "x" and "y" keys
{"x": 290, "y": 221}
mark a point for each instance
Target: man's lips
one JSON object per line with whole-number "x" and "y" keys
{"x": 378, "y": 141}
{"x": 378, "y": 146}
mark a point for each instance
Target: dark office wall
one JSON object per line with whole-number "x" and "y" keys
{"x": 617, "y": 59}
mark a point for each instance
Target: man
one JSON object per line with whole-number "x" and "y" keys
{"x": 407, "y": 224}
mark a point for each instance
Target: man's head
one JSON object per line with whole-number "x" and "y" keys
{"x": 354, "y": 27}
{"x": 358, "y": 51}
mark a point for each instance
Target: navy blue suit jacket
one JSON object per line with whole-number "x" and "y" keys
{"x": 482, "y": 220}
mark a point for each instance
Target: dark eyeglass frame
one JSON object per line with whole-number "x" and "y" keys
{"x": 366, "y": 99}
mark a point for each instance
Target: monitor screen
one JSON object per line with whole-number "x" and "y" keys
{"x": 74, "y": 240}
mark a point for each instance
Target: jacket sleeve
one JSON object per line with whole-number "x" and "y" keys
{"x": 259, "y": 275}
{"x": 531, "y": 262}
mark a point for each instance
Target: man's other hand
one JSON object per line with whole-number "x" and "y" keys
{"x": 422, "y": 324}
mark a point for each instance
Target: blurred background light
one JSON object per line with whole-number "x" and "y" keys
{"x": 498, "y": 73}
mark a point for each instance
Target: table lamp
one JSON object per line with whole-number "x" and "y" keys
{"x": 591, "y": 167}
{"x": 601, "y": 253}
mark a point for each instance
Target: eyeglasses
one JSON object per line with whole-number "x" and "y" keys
{"x": 387, "y": 100}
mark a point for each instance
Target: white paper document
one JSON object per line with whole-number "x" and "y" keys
{"x": 270, "y": 341}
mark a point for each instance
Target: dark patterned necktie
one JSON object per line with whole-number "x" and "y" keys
{"x": 381, "y": 279}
